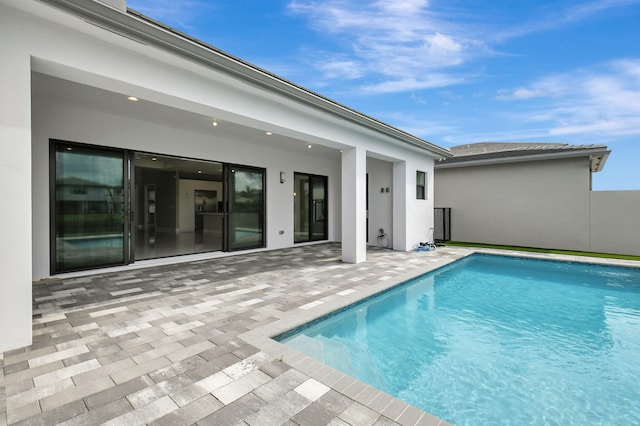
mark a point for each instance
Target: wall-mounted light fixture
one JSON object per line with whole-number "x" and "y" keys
{"x": 282, "y": 177}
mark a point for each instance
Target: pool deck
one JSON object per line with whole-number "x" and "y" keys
{"x": 189, "y": 343}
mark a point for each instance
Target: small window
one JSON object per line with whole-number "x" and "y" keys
{"x": 421, "y": 188}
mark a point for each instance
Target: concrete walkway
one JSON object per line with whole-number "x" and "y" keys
{"x": 189, "y": 343}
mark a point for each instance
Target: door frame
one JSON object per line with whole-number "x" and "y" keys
{"x": 127, "y": 212}
{"x": 311, "y": 207}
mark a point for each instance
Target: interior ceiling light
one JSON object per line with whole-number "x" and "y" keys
{"x": 133, "y": 98}
{"x": 309, "y": 146}
{"x": 269, "y": 133}
{"x": 215, "y": 123}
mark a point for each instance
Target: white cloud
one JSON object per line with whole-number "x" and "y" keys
{"x": 519, "y": 93}
{"x": 430, "y": 81}
{"x": 400, "y": 43}
{"x": 341, "y": 67}
{"x": 406, "y": 7}
{"x": 602, "y": 100}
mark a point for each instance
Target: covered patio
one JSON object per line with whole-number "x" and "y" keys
{"x": 189, "y": 343}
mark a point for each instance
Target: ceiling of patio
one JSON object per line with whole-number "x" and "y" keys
{"x": 53, "y": 89}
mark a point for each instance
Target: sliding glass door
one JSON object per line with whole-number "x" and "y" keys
{"x": 310, "y": 208}
{"x": 112, "y": 207}
{"x": 88, "y": 219}
{"x": 246, "y": 205}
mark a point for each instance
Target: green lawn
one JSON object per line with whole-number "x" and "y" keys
{"x": 541, "y": 250}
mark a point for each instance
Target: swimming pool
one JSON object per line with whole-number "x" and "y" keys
{"x": 496, "y": 340}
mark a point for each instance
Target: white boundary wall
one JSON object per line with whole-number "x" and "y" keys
{"x": 615, "y": 222}
{"x": 545, "y": 204}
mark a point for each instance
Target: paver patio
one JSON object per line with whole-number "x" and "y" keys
{"x": 189, "y": 343}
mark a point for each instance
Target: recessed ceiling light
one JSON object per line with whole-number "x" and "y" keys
{"x": 269, "y": 133}
{"x": 309, "y": 146}
{"x": 153, "y": 158}
{"x": 200, "y": 171}
{"x": 133, "y": 99}
{"x": 215, "y": 123}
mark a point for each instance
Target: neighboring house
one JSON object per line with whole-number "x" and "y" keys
{"x": 214, "y": 156}
{"x": 536, "y": 195}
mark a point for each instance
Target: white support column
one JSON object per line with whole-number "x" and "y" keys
{"x": 354, "y": 208}
{"x": 412, "y": 217}
{"x": 400, "y": 188}
{"x": 15, "y": 187}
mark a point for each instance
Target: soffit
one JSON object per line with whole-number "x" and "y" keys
{"x": 56, "y": 90}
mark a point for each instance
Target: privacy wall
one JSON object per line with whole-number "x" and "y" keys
{"x": 614, "y": 226}
{"x": 544, "y": 204}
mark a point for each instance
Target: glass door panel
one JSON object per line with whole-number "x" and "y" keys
{"x": 301, "y": 208}
{"x": 319, "y": 208}
{"x": 178, "y": 206}
{"x": 246, "y": 207}
{"x": 89, "y": 208}
{"x": 310, "y": 208}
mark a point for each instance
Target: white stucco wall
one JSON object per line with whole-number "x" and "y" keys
{"x": 535, "y": 204}
{"x": 380, "y": 202}
{"x": 614, "y": 222}
{"x": 15, "y": 187}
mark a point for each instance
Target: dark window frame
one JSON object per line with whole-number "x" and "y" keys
{"x": 421, "y": 185}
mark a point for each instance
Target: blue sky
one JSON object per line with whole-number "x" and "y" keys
{"x": 450, "y": 71}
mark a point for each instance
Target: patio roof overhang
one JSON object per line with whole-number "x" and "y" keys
{"x": 140, "y": 28}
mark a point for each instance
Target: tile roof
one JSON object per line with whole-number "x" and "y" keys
{"x": 517, "y": 148}
{"x": 505, "y": 152}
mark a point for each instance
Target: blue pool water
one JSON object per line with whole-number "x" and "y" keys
{"x": 497, "y": 340}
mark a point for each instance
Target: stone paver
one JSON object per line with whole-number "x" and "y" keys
{"x": 189, "y": 343}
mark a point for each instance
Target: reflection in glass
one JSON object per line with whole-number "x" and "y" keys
{"x": 247, "y": 208}
{"x": 310, "y": 208}
{"x": 89, "y": 208}
{"x": 301, "y": 208}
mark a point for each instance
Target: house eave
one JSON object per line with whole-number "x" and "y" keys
{"x": 598, "y": 158}
{"x": 138, "y": 27}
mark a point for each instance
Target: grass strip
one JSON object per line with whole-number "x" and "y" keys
{"x": 542, "y": 250}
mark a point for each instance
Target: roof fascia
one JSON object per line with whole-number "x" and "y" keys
{"x": 598, "y": 158}
{"x": 134, "y": 26}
